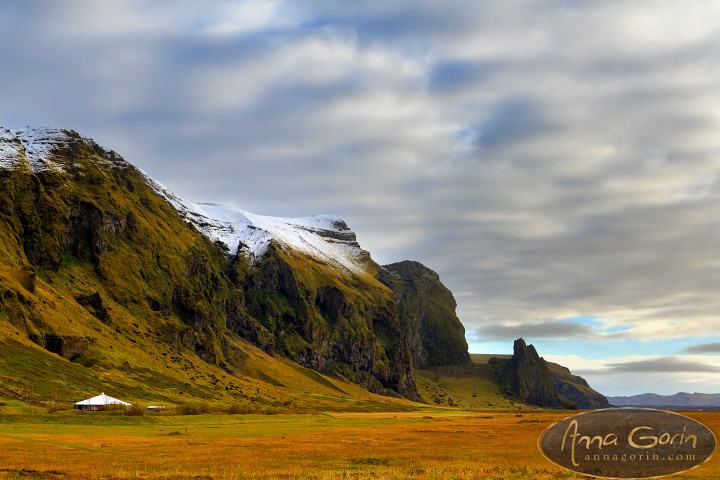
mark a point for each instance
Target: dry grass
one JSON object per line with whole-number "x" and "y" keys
{"x": 439, "y": 445}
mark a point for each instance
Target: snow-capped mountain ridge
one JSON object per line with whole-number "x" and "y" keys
{"x": 324, "y": 237}
{"x": 33, "y": 147}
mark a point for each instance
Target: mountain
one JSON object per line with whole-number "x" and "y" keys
{"x": 109, "y": 280}
{"x": 680, "y": 399}
{"x": 323, "y": 237}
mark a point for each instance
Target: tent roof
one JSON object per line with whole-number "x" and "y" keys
{"x": 102, "y": 399}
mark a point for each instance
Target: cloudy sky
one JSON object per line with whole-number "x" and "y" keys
{"x": 556, "y": 162}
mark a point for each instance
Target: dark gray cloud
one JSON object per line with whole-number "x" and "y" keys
{"x": 547, "y": 159}
{"x": 532, "y": 330}
{"x": 703, "y": 348}
{"x": 513, "y": 120}
{"x": 450, "y": 75}
{"x": 668, "y": 365}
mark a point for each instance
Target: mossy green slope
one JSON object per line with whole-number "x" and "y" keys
{"x": 470, "y": 386}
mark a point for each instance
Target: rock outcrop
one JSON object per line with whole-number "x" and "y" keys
{"x": 427, "y": 310}
{"x": 526, "y": 376}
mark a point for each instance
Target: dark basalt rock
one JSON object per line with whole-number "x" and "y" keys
{"x": 93, "y": 303}
{"x": 427, "y": 311}
{"x": 67, "y": 346}
{"x": 526, "y": 376}
{"x": 329, "y": 328}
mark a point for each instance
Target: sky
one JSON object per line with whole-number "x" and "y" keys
{"x": 556, "y": 162}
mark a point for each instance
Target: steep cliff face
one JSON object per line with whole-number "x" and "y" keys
{"x": 342, "y": 325}
{"x": 427, "y": 310}
{"x": 527, "y": 377}
{"x": 101, "y": 265}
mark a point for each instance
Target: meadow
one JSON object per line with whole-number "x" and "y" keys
{"x": 427, "y": 444}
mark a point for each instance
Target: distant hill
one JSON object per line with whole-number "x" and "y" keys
{"x": 681, "y": 399}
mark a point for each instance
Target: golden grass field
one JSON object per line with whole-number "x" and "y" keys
{"x": 414, "y": 445}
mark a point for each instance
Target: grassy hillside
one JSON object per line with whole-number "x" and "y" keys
{"x": 470, "y": 386}
{"x": 482, "y": 384}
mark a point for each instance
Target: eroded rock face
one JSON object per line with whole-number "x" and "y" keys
{"x": 331, "y": 328}
{"x": 528, "y": 378}
{"x": 67, "y": 346}
{"x": 427, "y": 311}
{"x": 88, "y": 230}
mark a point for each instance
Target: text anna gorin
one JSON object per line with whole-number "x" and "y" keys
{"x": 628, "y": 443}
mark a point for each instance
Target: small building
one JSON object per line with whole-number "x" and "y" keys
{"x": 99, "y": 403}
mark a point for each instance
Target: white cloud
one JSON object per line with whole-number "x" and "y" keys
{"x": 236, "y": 18}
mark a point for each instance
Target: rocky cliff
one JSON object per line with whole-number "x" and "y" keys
{"x": 527, "y": 377}
{"x": 427, "y": 311}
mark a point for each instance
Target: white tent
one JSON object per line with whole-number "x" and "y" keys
{"x": 99, "y": 402}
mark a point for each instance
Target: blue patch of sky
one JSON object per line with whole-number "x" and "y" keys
{"x": 513, "y": 120}
{"x": 451, "y": 75}
{"x": 599, "y": 349}
{"x": 593, "y": 349}
{"x": 597, "y": 322}
{"x": 617, "y": 328}
{"x": 583, "y": 319}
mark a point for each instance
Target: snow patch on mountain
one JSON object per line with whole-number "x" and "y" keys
{"x": 12, "y": 152}
{"x": 324, "y": 237}
{"x": 33, "y": 144}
